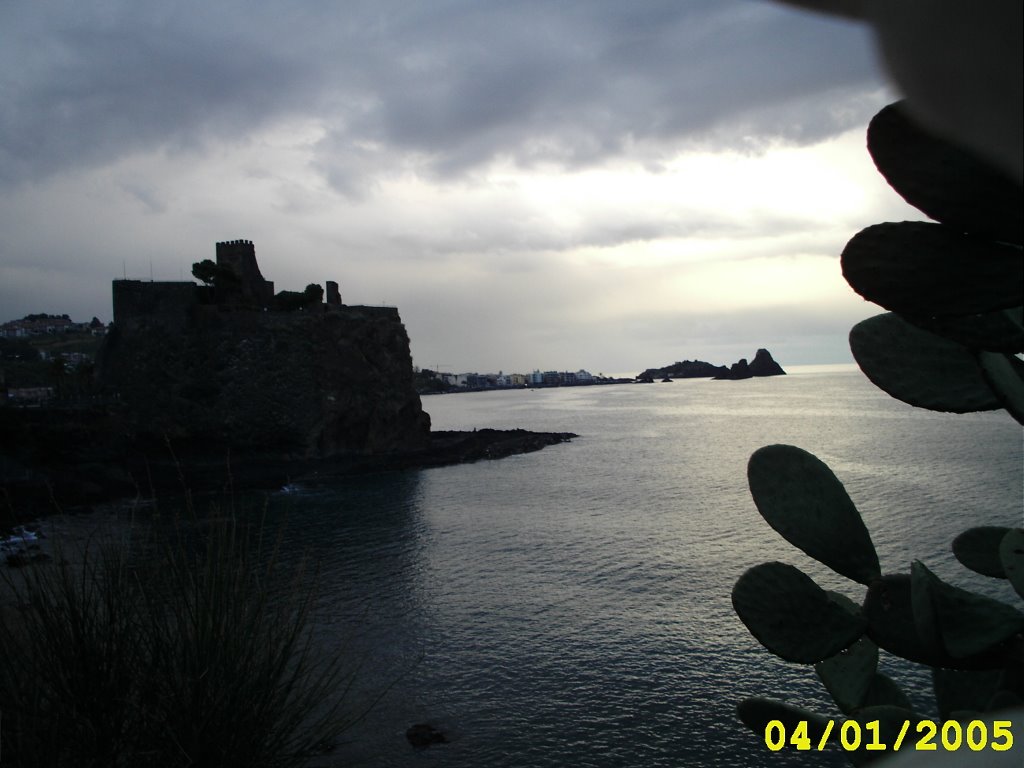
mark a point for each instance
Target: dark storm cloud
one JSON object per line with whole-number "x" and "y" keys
{"x": 451, "y": 84}
{"x": 574, "y": 84}
{"x": 85, "y": 90}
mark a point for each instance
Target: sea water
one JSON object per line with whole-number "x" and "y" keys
{"x": 572, "y": 606}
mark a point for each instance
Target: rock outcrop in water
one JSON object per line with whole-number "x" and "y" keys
{"x": 762, "y": 365}
{"x": 686, "y": 369}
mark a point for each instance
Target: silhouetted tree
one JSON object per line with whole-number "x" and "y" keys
{"x": 214, "y": 274}
{"x": 314, "y": 294}
{"x": 205, "y": 271}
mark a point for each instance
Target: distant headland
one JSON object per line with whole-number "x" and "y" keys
{"x": 432, "y": 382}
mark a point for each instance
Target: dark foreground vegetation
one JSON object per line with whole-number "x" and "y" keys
{"x": 187, "y": 645}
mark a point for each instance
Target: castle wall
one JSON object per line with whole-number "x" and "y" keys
{"x": 170, "y": 302}
{"x": 357, "y": 311}
{"x": 296, "y": 384}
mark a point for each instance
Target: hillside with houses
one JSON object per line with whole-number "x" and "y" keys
{"x": 46, "y": 356}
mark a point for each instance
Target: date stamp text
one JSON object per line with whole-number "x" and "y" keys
{"x": 922, "y": 736}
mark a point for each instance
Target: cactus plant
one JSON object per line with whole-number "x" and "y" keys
{"x": 943, "y": 181}
{"x": 950, "y": 343}
{"x": 920, "y": 368}
{"x": 952, "y": 274}
{"x": 954, "y": 287}
{"x": 848, "y": 675}
{"x": 975, "y": 644}
{"x": 800, "y": 497}
{"x": 1011, "y": 553}
{"x": 792, "y": 616}
{"x": 962, "y": 624}
{"x": 978, "y": 549}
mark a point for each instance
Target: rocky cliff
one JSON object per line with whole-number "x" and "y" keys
{"x": 327, "y": 382}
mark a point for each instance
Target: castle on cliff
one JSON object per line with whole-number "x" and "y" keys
{"x": 232, "y": 365}
{"x": 173, "y": 300}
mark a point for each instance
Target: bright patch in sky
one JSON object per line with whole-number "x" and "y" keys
{"x": 634, "y": 186}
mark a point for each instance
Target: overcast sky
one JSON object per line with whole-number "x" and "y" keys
{"x": 599, "y": 185}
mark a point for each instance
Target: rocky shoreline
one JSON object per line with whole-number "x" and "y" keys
{"x": 39, "y": 488}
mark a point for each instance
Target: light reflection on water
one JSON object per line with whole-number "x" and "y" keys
{"x": 571, "y": 607}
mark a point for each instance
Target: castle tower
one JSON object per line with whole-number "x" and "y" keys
{"x": 240, "y": 257}
{"x": 333, "y": 295}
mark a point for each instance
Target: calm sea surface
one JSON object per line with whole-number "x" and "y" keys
{"x": 572, "y": 606}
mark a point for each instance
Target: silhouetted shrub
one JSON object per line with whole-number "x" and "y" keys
{"x": 193, "y": 646}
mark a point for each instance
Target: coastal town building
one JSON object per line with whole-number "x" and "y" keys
{"x": 501, "y": 380}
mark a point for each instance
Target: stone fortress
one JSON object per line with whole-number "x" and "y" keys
{"x": 231, "y": 365}
{"x": 174, "y": 300}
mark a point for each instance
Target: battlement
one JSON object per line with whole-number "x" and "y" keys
{"x": 236, "y": 249}
{"x": 240, "y": 257}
